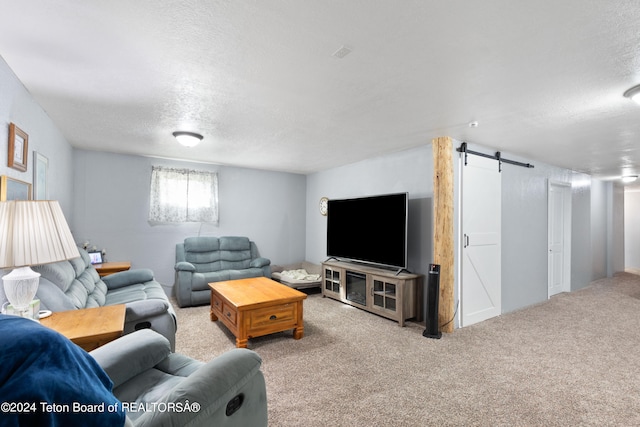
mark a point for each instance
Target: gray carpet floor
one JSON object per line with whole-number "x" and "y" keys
{"x": 569, "y": 361}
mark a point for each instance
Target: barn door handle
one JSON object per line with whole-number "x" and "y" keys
{"x": 466, "y": 240}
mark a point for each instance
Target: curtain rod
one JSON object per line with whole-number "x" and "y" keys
{"x": 497, "y": 156}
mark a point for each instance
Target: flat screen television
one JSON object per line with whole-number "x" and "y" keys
{"x": 369, "y": 229}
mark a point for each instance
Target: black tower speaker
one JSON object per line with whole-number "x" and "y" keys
{"x": 432, "y": 298}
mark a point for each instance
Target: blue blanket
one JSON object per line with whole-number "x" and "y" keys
{"x": 46, "y": 380}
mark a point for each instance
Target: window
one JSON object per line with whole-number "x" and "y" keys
{"x": 182, "y": 195}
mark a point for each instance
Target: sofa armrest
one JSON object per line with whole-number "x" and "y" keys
{"x": 260, "y": 262}
{"x": 143, "y": 309}
{"x": 234, "y": 373}
{"x": 127, "y": 278}
{"x": 185, "y": 266}
{"x": 132, "y": 354}
{"x": 184, "y": 284}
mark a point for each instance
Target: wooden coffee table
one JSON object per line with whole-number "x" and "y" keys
{"x": 255, "y": 307}
{"x": 89, "y": 328}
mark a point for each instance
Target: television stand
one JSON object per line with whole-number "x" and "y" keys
{"x": 394, "y": 295}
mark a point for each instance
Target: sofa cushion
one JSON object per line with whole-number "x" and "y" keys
{"x": 210, "y": 254}
{"x": 245, "y": 273}
{"x": 201, "y": 244}
{"x": 82, "y": 286}
{"x": 52, "y": 298}
{"x": 201, "y": 282}
{"x": 137, "y": 292}
{"x": 122, "y": 359}
{"x": 128, "y": 277}
{"x": 203, "y": 253}
{"x": 235, "y": 243}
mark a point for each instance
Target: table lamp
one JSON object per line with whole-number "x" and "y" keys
{"x": 31, "y": 233}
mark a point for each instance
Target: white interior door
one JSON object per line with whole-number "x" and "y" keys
{"x": 559, "y": 237}
{"x": 481, "y": 287}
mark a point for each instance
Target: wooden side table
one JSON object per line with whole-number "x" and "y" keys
{"x": 107, "y": 268}
{"x": 89, "y": 327}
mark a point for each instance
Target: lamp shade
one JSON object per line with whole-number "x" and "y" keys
{"x": 33, "y": 233}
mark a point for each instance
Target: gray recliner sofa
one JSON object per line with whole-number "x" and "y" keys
{"x": 75, "y": 284}
{"x": 161, "y": 388}
{"x": 206, "y": 259}
{"x": 134, "y": 380}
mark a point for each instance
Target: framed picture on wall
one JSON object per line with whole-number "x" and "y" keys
{"x": 40, "y": 172}
{"x": 13, "y": 189}
{"x": 18, "y": 148}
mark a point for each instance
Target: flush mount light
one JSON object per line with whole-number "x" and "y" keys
{"x": 629, "y": 178}
{"x": 188, "y": 139}
{"x": 633, "y": 94}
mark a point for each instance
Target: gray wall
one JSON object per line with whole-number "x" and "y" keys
{"x": 596, "y": 220}
{"x": 581, "y": 253}
{"x": 615, "y": 234}
{"x": 406, "y": 171}
{"x": 112, "y": 200}
{"x": 632, "y": 229}
{"x": 599, "y": 218}
{"x": 596, "y": 234}
{"x": 17, "y": 106}
{"x": 607, "y": 228}
{"x": 524, "y": 231}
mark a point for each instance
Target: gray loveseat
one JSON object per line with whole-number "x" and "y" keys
{"x": 75, "y": 284}
{"x": 206, "y": 259}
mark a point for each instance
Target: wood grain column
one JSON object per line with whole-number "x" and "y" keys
{"x": 443, "y": 237}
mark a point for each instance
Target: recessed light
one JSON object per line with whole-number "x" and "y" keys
{"x": 474, "y": 124}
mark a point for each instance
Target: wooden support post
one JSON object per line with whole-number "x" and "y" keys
{"x": 443, "y": 238}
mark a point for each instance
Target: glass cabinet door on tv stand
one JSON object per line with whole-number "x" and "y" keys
{"x": 384, "y": 294}
{"x": 332, "y": 281}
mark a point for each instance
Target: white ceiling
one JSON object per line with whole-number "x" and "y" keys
{"x": 258, "y": 79}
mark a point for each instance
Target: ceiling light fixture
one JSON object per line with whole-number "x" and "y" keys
{"x": 633, "y": 94}
{"x": 188, "y": 139}
{"x": 629, "y": 178}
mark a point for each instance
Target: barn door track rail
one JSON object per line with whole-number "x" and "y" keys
{"x": 497, "y": 156}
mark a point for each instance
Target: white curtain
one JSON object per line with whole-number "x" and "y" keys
{"x": 182, "y": 195}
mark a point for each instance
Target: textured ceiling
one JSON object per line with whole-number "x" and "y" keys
{"x": 258, "y": 79}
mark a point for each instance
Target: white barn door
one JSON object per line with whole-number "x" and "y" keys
{"x": 481, "y": 287}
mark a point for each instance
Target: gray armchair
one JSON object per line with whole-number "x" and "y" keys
{"x": 160, "y": 388}
{"x": 202, "y": 260}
